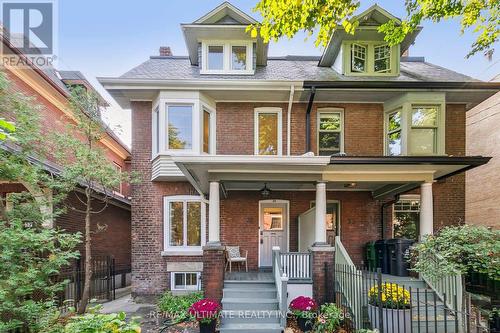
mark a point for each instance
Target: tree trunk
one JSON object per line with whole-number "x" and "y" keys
{"x": 88, "y": 256}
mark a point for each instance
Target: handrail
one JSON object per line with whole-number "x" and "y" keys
{"x": 281, "y": 281}
{"x": 297, "y": 265}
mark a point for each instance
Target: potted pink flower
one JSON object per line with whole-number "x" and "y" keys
{"x": 304, "y": 309}
{"x": 206, "y": 312}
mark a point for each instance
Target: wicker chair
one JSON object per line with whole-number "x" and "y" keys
{"x": 233, "y": 255}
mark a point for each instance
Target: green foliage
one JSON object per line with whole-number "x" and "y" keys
{"x": 176, "y": 307}
{"x": 287, "y": 17}
{"x": 7, "y": 128}
{"x": 330, "y": 318}
{"x": 462, "y": 248}
{"x": 95, "y": 322}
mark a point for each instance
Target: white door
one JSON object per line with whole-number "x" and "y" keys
{"x": 273, "y": 229}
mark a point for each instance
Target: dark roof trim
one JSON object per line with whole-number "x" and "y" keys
{"x": 388, "y": 160}
{"x": 400, "y": 85}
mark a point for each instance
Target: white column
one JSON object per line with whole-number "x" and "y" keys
{"x": 213, "y": 214}
{"x": 320, "y": 223}
{"x": 426, "y": 210}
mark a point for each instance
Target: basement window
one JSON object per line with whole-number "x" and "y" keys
{"x": 189, "y": 281}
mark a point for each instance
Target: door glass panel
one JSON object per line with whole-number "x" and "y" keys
{"x": 268, "y": 133}
{"x": 176, "y": 223}
{"x": 273, "y": 218}
{"x": 194, "y": 224}
{"x": 180, "y": 126}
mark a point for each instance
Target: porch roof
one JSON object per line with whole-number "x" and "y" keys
{"x": 381, "y": 175}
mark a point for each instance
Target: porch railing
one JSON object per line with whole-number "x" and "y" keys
{"x": 296, "y": 265}
{"x": 348, "y": 281}
{"x": 281, "y": 280}
{"x": 449, "y": 288}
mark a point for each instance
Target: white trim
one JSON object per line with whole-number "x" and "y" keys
{"x": 227, "y": 54}
{"x": 287, "y": 236}
{"x": 172, "y": 281}
{"x": 213, "y": 128}
{"x": 258, "y": 111}
{"x": 170, "y": 250}
{"x": 330, "y": 110}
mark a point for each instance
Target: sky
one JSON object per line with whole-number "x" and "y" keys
{"x": 109, "y": 37}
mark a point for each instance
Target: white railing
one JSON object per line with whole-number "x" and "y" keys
{"x": 281, "y": 280}
{"x": 449, "y": 288}
{"x": 349, "y": 281}
{"x": 297, "y": 265}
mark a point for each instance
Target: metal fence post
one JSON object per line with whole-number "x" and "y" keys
{"x": 380, "y": 308}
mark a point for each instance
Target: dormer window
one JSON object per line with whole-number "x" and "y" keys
{"x": 227, "y": 57}
{"x": 370, "y": 58}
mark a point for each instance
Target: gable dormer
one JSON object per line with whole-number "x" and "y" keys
{"x": 218, "y": 42}
{"x": 365, "y": 53}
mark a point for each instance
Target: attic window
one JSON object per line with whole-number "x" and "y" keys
{"x": 370, "y": 58}
{"x": 358, "y": 56}
{"x": 227, "y": 57}
{"x": 215, "y": 57}
{"x": 382, "y": 59}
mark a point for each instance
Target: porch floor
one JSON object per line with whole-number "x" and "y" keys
{"x": 249, "y": 276}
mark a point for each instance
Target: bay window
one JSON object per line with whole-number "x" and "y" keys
{"x": 207, "y": 123}
{"x": 330, "y": 136}
{"x": 394, "y": 133}
{"x": 180, "y": 127}
{"x": 268, "y": 134}
{"x": 423, "y": 135}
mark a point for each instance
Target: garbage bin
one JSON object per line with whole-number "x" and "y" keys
{"x": 370, "y": 256}
{"x": 382, "y": 258}
{"x": 398, "y": 250}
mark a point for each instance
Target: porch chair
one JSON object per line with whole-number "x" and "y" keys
{"x": 233, "y": 255}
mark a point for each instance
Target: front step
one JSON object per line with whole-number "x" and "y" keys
{"x": 244, "y": 304}
{"x": 250, "y": 316}
{"x": 253, "y": 328}
{"x": 265, "y": 292}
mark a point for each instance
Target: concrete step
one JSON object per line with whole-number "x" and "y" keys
{"x": 255, "y": 317}
{"x": 249, "y": 304}
{"x": 250, "y": 328}
{"x": 249, "y": 284}
{"x": 434, "y": 327}
{"x": 264, "y": 293}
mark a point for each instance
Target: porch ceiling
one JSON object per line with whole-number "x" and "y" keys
{"x": 383, "y": 176}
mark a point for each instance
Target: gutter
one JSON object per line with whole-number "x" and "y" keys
{"x": 422, "y": 160}
{"x": 473, "y": 85}
{"x": 308, "y": 119}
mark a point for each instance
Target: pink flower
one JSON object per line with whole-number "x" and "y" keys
{"x": 303, "y": 303}
{"x": 205, "y": 309}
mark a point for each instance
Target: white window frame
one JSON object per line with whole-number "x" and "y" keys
{"x": 155, "y": 124}
{"x": 168, "y": 249}
{"x": 212, "y": 126}
{"x": 330, "y": 111}
{"x": 172, "y": 281}
{"x": 193, "y": 128}
{"x": 277, "y": 111}
{"x": 227, "y": 54}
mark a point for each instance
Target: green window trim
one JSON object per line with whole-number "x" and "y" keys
{"x": 370, "y": 58}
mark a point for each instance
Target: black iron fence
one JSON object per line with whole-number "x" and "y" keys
{"x": 372, "y": 300}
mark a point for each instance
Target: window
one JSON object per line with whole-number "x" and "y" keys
{"x": 184, "y": 226}
{"x": 358, "y": 58}
{"x": 238, "y": 57}
{"x": 118, "y": 169}
{"x": 423, "y": 136}
{"x": 268, "y": 131}
{"x": 180, "y": 126}
{"x": 394, "y": 133}
{"x": 185, "y": 281}
{"x": 156, "y": 130}
{"x": 332, "y": 215}
{"x": 406, "y": 217}
{"x": 273, "y": 218}
{"x": 382, "y": 58}
{"x": 329, "y": 133}
{"x": 206, "y": 131}
{"x": 215, "y": 57}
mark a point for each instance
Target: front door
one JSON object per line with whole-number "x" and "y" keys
{"x": 273, "y": 229}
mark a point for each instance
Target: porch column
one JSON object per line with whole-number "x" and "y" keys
{"x": 320, "y": 222}
{"x": 426, "y": 210}
{"x": 213, "y": 214}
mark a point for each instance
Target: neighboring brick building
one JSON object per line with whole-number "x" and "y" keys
{"x": 235, "y": 148}
{"x": 483, "y": 138}
{"x": 49, "y": 91}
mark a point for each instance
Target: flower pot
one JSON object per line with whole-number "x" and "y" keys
{"x": 208, "y": 327}
{"x": 393, "y": 320}
{"x": 305, "y": 324}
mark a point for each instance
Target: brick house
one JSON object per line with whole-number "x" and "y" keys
{"x": 239, "y": 148}
{"x": 48, "y": 87}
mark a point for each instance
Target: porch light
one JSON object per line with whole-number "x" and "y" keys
{"x": 350, "y": 185}
{"x": 265, "y": 191}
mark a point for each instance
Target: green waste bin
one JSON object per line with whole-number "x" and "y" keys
{"x": 371, "y": 256}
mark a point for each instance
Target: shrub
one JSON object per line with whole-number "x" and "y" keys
{"x": 392, "y": 296}
{"x": 177, "y": 307}
{"x": 303, "y": 307}
{"x": 93, "y": 322}
{"x": 205, "y": 310}
{"x": 330, "y": 318}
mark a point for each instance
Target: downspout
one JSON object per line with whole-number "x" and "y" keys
{"x": 289, "y": 121}
{"x": 308, "y": 119}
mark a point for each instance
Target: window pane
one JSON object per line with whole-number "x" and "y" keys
{"x": 156, "y": 124}
{"x": 423, "y": 141}
{"x": 239, "y": 57}
{"x": 194, "y": 224}
{"x": 424, "y": 116}
{"x": 268, "y": 133}
{"x": 394, "y": 143}
{"x": 179, "y": 126}
{"x": 329, "y": 143}
{"x": 329, "y": 122}
{"x": 358, "y": 55}
{"x": 176, "y": 223}
{"x": 191, "y": 280}
{"x": 216, "y": 57}
{"x": 206, "y": 132}
{"x": 394, "y": 121}
{"x": 382, "y": 59}
{"x": 273, "y": 218}
{"x": 331, "y": 216}
{"x": 179, "y": 281}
